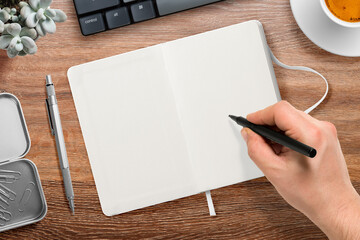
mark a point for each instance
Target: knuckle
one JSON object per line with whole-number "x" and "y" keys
{"x": 283, "y": 104}
{"x": 282, "y": 107}
{"x": 316, "y": 134}
{"x": 330, "y": 127}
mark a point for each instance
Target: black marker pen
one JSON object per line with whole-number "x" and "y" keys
{"x": 277, "y": 137}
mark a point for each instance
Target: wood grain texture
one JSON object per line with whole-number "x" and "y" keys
{"x": 250, "y": 210}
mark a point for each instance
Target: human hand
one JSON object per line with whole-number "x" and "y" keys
{"x": 319, "y": 187}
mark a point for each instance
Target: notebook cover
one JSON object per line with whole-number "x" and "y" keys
{"x": 143, "y": 115}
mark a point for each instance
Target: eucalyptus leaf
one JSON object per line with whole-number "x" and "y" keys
{"x": 40, "y": 31}
{"x": 48, "y": 25}
{"x": 40, "y": 14}
{"x": 12, "y": 11}
{"x": 60, "y": 16}
{"x": 45, "y": 3}
{"x": 31, "y": 20}
{"x": 29, "y": 45}
{"x": 25, "y": 11}
{"x": 5, "y": 41}
{"x": 15, "y": 18}
{"x": 35, "y": 4}
{"x": 14, "y": 29}
{"x": 6, "y": 25}
{"x": 1, "y": 26}
{"x": 51, "y": 13}
{"x": 4, "y": 16}
{"x": 22, "y": 4}
{"x": 11, "y": 52}
{"x": 13, "y": 42}
{"x": 30, "y": 32}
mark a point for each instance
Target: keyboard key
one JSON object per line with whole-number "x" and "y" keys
{"x": 86, "y": 6}
{"x": 92, "y": 24}
{"x": 117, "y": 17}
{"x": 143, "y": 11}
{"x": 101, "y": 15}
{"x": 170, "y": 6}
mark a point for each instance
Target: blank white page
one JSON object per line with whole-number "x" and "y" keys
{"x": 155, "y": 121}
{"x": 131, "y": 130}
{"x": 214, "y": 74}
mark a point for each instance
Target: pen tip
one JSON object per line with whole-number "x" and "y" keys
{"x": 72, "y": 207}
{"x": 232, "y": 117}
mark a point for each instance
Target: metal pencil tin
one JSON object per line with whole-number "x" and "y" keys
{"x": 22, "y": 200}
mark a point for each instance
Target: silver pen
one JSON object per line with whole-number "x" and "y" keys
{"x": 56, "y": 130}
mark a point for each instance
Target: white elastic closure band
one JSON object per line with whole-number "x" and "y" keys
{"x": 210, "y": 203}
{"x": 306, "y": 69}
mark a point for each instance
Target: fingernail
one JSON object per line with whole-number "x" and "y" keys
{"x": 244, "y": 134}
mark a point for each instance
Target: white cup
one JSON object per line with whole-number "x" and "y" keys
{"x": 338, "y": 20}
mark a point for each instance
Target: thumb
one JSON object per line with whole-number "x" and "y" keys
{"x": 259, "y": 151}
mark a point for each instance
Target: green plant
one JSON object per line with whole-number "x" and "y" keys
{"x": 25, "y": 23}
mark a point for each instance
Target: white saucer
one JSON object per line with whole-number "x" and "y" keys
{"x": 322, "y": 31}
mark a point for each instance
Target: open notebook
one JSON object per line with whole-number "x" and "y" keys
{"x": 155, "y": 121}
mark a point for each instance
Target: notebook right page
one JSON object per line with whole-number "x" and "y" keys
{"x": 214, "y": 74}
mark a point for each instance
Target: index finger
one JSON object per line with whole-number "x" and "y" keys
{"x": 283, "y": 115}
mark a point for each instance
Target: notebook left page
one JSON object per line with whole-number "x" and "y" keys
{"x": 131, "y": 130}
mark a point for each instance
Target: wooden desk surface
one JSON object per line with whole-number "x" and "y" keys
{"x": 251, "y": 210}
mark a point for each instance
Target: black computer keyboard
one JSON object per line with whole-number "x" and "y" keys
{"x": 101, "y": 15}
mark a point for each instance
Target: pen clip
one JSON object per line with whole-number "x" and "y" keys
{"x": 49, "y": 116}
